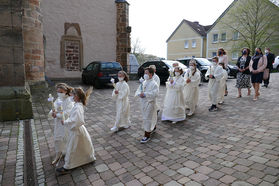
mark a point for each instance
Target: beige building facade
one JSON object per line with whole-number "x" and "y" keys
{"x": 188, "y": 40}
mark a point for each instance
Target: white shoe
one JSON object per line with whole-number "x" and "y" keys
{"x": 174, "y": 122}
{"x": 114, "y": 129}
{"x": 126, "y": 127}
{"x": 190, "y": 114}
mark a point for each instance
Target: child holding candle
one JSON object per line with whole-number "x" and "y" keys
{"x": 61, "y": 110}
{"x": 121, "y": 95}
{"x": 148, "y": 92}
{"x": 80, "y": 150}
{"x": 214, "y": 74}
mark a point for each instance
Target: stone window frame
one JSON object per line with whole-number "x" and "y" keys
{"x": 67, "y": 37}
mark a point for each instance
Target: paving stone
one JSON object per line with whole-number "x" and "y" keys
{"x": 183, "y": 180}
{"x": 134, "y": 183}
{"x": 185, "y": 171}
{"x": 145, "y": 180}
{"x": 204, "y": 170}
{"x": 258, "y": 159}
{"x": 241, "y": 183}
{"x": 102, "y": 168}
{"x": 227, "y": 179}
{"x": 271, "y": 179}
{"x": 211, "y": 182}
{"x": 192, "y": 183}
{"x": 172, "y": 183}
{"x": 264, "y": 183}
{"x": 199, "y": 177}
{"x": 241, "y": 168}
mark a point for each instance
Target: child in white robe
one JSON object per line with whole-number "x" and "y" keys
{"x": 121, "y": 95}
{"x": 214, "y": 74}
{"x": 191, "y": 91}
{"x": 174, "y": 103}
{"x": 62, "y": 108}
{"x": 148, "y": 92}
{"x": 222, "y": 89}
{"x": 80, "y": 150}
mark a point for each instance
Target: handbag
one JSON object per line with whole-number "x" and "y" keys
{"x": 266, "y": 74}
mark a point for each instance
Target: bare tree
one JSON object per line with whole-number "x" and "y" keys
{"x": 136, "y": 47}
{"x": 256, "y": 21}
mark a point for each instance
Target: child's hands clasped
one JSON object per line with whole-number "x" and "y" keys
{"x": 54, "y": 114}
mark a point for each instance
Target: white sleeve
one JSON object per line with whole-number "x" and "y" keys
{"x": 138, "y": 92}
{"x": 76, "y": 119}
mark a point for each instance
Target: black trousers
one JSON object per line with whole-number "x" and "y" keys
{"x": 266, "y": 82}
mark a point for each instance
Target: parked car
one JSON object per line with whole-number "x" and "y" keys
{"x": 99, "y": 73}
{"x": 276, "y": 63}
{"x": 232, "y": 70}
{"x": 162, "y": 68}
{"x": 202, "y": 64}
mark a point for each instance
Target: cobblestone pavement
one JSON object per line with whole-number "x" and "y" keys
{"x": 238, "y": 145}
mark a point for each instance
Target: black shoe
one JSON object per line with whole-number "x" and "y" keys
{"x": 213, "y": 108}
{"x": 62, "y": 171}
{"x": 264, "y": 86}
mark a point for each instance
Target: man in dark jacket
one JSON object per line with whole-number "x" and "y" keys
{"x": 270, "y": 60}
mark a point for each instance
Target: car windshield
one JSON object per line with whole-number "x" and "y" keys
{"x": 169, "y": 64}
{"x": 204, "y": 62}
{"x": 108, "y": 66}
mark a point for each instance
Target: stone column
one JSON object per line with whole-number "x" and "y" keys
{"x": 123, "y": 44}
{"x": 15, "y": 102}
{"x": 33, "y": 42}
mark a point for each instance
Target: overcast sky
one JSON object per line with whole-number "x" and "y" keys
{"x": 153, "y": 21}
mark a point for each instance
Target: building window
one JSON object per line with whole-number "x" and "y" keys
{"x": 194, "y": 43}
{"x": 223, "y": 37}
{"x": 234, "y": 55}
{"x": 215, "y": 38}
{"x": 186, "y": 44}
{"x": 214, "y": 54}
{"x": 236, "y": 35}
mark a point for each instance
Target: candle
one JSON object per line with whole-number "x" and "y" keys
{"x": 141, "y": 84}
{"x": 50, "y": 99}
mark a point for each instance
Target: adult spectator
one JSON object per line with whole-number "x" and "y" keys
{"x": 257, "y": 65}
{"x": 270, "y": 60}
{"x": 243, "y": 76}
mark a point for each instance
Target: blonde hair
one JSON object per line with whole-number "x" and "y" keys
{"x": 65, "y": 87}
{"x": 152, "y": 66}
{"x": 83, "y": 96}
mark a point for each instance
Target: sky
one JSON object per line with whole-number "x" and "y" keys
{"x": 153, "y": 21}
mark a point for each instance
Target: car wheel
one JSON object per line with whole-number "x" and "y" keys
{"x": 96, "y": 84}
{"x": 277, "y": 68}
{"x": 84, "y": 80}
